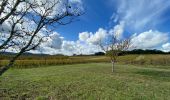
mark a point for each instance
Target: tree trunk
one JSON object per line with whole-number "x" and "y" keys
{"x": 11, "y": 62}
{"x": 113, "y": 65}
{"x": 6, "y": 67}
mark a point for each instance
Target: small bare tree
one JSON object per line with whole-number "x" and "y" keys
{"x": 113, "y": 47}
{"x": 25, "y": 24}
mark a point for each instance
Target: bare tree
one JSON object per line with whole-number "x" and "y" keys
{"x": 25, "y": 24}
{"x": 113, "y": 46}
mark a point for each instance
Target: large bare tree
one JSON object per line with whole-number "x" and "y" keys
{"x": 25, "y": 24}
{"x": 113, "y": 46}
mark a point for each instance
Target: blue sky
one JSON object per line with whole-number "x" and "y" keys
{"x": 98, "y": 15}
{"x": 147, "y": 22}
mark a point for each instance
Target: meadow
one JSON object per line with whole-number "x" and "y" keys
{"x": 136, "y": 77}
{"x": 93, "y": 81}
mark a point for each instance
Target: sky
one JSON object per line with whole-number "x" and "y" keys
{"x": 138, "y": 15}
{"x": 146, "y": 22}
{"x": 97, "y": 15}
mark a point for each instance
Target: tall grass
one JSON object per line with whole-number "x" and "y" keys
{"x": 32, "y": 62}
{"x": 146, "y": 59}
{"x": 38, "y": 61}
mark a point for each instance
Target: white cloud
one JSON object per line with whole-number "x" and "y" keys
{"x": 118, "y": 30}
{"x": 76, "y": 47}
{"x": 95, "y": 38}
{"x": 79, "y": 1}
{"x": 69, "y": 46}
{"x": 149, "y": 39}
{"x": 56, "y": 41}
{"x": 140, "y": 14}
{"x": 87, "y": 43}
{"x": 166, "y": 47}
{"x": 84, "y": 36}
{"x": 52, "y": 45}
{"x": 137, "y": 15}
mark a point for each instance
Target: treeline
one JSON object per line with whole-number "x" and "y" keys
{"x": 137, "y": 51}
{"x": 7, "y": 55}
{"x": 147, "y": 51}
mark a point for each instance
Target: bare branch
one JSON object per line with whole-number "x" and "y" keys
{"x": 11, "y": 12}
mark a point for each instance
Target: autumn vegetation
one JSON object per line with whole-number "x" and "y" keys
{"x": 47, "y": 60}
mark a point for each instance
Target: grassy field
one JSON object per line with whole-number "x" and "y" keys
{"x": 93, "y": 81}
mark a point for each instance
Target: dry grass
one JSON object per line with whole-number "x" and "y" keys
{"x": 162, "y": 60}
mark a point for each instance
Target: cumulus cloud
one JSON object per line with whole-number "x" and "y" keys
{"x": 84, "y": 36}
{"x": 69, "y": 45}
{"x": 52, "y": 44}
{"x": 56, "y": 40}
{"x": 93, "y": 38}
{"x": 68, "y": 48}
{"x": 76, "y": 47}
{"x": 149, "y": 39}
{"x": 87, "y": 43}
{"x": 166, "y": 47}
{"x": 98, "y": 36}
{"x": 58, "y": 45}
{"x": 118, "y": 30}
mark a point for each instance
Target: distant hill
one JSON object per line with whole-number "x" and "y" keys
{"x": 135, "y": 51}
{"x": 30, "y": 56}
{"x": 27, "y": 53}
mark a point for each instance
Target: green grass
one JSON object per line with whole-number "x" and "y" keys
{"x": 87, "y": 82}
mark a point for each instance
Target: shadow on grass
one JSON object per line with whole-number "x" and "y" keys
{"x": 158, "y": 75}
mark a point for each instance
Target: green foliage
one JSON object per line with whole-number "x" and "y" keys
{"x": 87, "y": 82}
